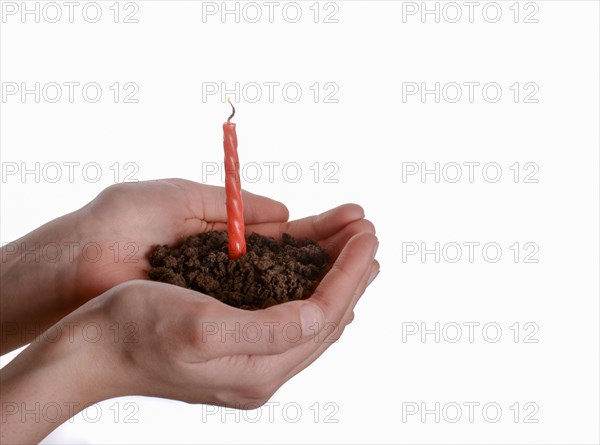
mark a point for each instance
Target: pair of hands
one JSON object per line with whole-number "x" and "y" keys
{"x": 130, "y": 336}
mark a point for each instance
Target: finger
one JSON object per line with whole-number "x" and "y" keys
{"x": 264, "y": 373}
{"x": 207, "y": 202}
{"x": 348, "y": 317}
{"x": 366, "y": 280}
{"x": 316, "y": 227}
{"x": 329, "y": 336}
{"x": 336, "y": 242}
{"x": 297, "y": 359}
{"x": 227, "y": 331}
{"x": 302, "y": 356}
{"x": 259, "y": 209}
{"x": 337, "y": 290}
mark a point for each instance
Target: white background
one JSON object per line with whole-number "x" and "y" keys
{"x": 372, "y": 134}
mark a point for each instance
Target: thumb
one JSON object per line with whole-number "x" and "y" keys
{"x": 226, "y": 330}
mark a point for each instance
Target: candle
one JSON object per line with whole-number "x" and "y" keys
{"x": 233, "y": 191}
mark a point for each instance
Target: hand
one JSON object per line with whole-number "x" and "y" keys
{"x": 128, "y": 220}
{"x": 180, "y": 347}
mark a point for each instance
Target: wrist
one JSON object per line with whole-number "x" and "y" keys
{"x": 37, "y": 281}
{"x": 58, "y": 375}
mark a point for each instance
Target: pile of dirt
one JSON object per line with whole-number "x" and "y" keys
{"x": 269, "y": 273}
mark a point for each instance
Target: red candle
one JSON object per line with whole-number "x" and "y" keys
{"x": 233, "y": 190}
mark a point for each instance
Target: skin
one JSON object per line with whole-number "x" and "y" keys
{"x": 154, "y": 339}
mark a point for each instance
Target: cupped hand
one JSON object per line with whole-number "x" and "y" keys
{"x": 118, "y": 229}
{"x": 191, "y": 347}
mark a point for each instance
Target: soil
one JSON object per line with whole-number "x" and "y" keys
{"x": 269, "y": 273}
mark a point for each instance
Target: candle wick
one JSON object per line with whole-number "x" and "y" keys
{"x": 233, "y": 108}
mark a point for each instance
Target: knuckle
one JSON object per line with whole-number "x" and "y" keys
{"x": 112, "y": 190}
{"x": 258, "y": 395}
{"x": 367, "y": 226}
{"x": 204, "y": 333}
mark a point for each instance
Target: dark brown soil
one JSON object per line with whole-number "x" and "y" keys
{"x": 270, "y": 273}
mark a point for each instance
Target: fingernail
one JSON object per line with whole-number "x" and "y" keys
{"x": 311, "y": 319}
{"x": 372, "y": 277}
